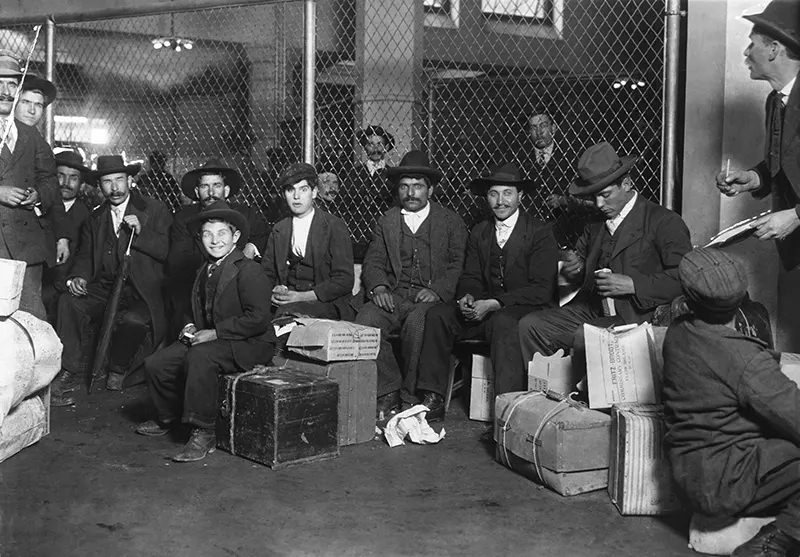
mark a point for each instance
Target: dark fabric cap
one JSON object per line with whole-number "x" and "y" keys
{"x": 297, "y": 172}
{"x": 714, "y": 283}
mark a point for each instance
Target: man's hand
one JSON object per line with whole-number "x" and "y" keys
{"x": 482, "y": 308}
{"x": 282, "y": 295}
{"x": 62, "y": 251}
{"x": 382, "y": 298}
{"x": 738, "y": 181}
{"x": 250, "y": 251}
{"x": 31, "y": 198}
{"x": 776, "y": 226}
{"x": 204, "y": 335}
{"x": 133, "y": 222}
{"x": 466, "y": 304}
{"x": 189, "y": 328}
{"x": 77, "y": 286}
{"x": 12, "y": 196}
{"x": 426, "y": 295}
{"x": 612, "y": 285}
{"x": 573, "y": 265}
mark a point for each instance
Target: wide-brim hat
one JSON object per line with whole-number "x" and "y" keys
{"x": 222, "y": 211}
{"x": 112, "y": 164}
{"x": 414, "y": 163}
{"x": 9, "y": 64}
{"x": 366, "y": 133}
{"x": 505, "y": 175}
{"x": 598, "y": 167}
{"x": 33, "y": 82}
{"x": 212, "y": 166}
{"x": 72, "y": 160}
{"x": 781, "y": 21}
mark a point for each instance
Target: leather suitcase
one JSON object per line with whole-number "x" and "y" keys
{"x": 278, "y": 416}
{"x": 553, "y": 440}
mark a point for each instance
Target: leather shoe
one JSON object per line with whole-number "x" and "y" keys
{"x": 153, "y": 428}
{"x": 58, "y": 400}
{"x": 769, "y": 542}
{"x": 62, "y": 385}
{"x": 435, "y": 404}
{"x": 114, "y": 381}
{"x": 387, "y": 404}
{"x": 202, "y": 442}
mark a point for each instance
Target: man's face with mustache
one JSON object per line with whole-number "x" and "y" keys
{"x": 211, "y": 188}
{"x": 69, "y": 181}
{"x": 116, "y": 187}
{"x": 413, "y": 193}
{"x": 503, "y": 200}
{"x": 8, "y": 86}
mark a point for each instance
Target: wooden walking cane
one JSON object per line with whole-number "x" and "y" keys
{"x": 104, "y": 342}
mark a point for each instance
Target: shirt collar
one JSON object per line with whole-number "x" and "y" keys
{"x": 422, "y": 214}
{"x": 68, "y": 204}
{"x": 305, "y": 218}
{"x": 614, "y": 223}
{"x": 374, "y": 167}
{"x": 787, "y": 89}
{"x": 122, "y": 207}
{"x": 510, "y": 222}
{"x": 548, "y": 151}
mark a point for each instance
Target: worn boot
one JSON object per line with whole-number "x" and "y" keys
{"x": 435, "y": 404}
{"x": 769, "y": 542}
{"x": 114, "y": 381}
{"x": 202, "y": 442}
{"x": 61, "y": 387}
{"x": 387, "y": 405}
{"x": 153, "y": 428}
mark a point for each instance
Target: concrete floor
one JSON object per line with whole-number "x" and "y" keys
{"x": 93, "y": 487}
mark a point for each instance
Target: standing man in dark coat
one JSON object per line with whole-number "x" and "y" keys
{"x": 140, "y": 323}
{"x": 733, "y": 419}
{"x": 510, "y": 271}
{"x": 627, "y": 265}
{"x": 228, "y": 331}
{"x": 28, "y": 189}
{"x": 413, "y": 261}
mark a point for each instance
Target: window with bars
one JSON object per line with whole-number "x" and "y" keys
{"x": 521, "y": 11}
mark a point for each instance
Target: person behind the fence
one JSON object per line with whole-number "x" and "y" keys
{"x": 157, "y": 181}
{"x": 627, "y": 265}
{"x": 510, "y": 271}
{"x": 37, "y": 94}
{"x": 228, "y": 331}
{"x": 413, "y": 261}
{"x": 309, "y": 256}
{"x": 733, "y": 418}
{"x": 328, "y": 192}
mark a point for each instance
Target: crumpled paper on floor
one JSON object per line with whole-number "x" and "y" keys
{"x": 411, "y": 423}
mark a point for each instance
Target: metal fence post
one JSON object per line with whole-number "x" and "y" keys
{"x": 49, "y": 74}
{"x": 309, "y": 77}
{"x": 672, "y": 30}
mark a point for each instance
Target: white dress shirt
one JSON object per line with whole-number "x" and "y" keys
{"x": 504, "y": 228}
{"x": 11, "y": 140}
{"x": 543, "y": 156}
{"x": 301, "y": 226}
{"x": 68, "y": 205}
{"x": 374, "y": 167}
{"x": 414, "y": 220}
{"x": 787, "y": 90}
{"x": 613, "y": 224}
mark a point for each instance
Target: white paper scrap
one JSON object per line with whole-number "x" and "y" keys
{"x": 412, "y": 423}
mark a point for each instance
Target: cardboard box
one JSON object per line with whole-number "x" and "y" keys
{"x": 560, "y": 443}
{"x": 358, "y": 384}
{"x": 552, "y": 373}
{"x": 481, "y": 390}
{"x": 640, "y": 477}
{"x": 620, "y": 365}
{"x": 790, "y": 366}
{"x": 328, "y": 340}
{"x": 12, "y": 272}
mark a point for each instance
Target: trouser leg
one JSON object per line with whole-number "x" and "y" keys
{"x": 165, "y": 373}
{"x": 77, "y": 322}
{"x": 321, "y": 310}
{"x": 778, "y": 492}
{"x": 30, "y": 299}
{"x": 412, "y": 334}
{"x": 204, "y": 363}
{"x": 443, "y": 324}
{"x": 389, "y": 377}
{"x": 510, "y": 369}
{"x": 132, "y": 328}
{"x": 548, "y": 330}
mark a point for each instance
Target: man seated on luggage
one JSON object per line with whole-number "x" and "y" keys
{"x": 413, "y": 262}
{"x": 510, "y": 271}
{"x": 733, "y": 418}
{"x": 309, "y": 256}
{"x": 228, "y": 331}
{"x": 126, "y": 218}
{"x": 627, "y": 265}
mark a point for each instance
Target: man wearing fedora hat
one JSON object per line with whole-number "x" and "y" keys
{"x": 413, "y": 261}
{"x": 37, "y": 94}
{"x": 626, "y": 266}
{"x": 213, "y": 181}
{"x": 510, "y": 271}
{"x": 28, "y": 189}
{"x": 228, "y": 330}
{"x": 141, "y": 322}
{"x": 733, "y": 426}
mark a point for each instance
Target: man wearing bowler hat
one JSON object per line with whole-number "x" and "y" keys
{"x": 413, "y": 261}
{"x": 37, "y": 94}
{"x": 141, "y": 322}
{"x": 213, "y": 181}
{"x": 626, "y": 266}
{"x": 733, "y": 425}
{"x": 510, "y": 271}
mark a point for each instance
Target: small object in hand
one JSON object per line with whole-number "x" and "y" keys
{"x": 187, "y": 338}
{"x": 602, "y": 271}
{"x": 280, "y": 289}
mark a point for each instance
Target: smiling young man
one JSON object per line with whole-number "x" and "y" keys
{"x": 228, "y": 331}
{"x": 309, "y": 256}
{"x": 510, "y": 271}
{"x": 413, "y": 262}
{"x": 627, "y": 265}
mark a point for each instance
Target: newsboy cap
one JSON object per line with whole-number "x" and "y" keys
{"x": 714, "y": 283}
{"x": 295, "y": 173}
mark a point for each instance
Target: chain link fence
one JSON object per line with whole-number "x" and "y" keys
{"x": 460, "y": 79}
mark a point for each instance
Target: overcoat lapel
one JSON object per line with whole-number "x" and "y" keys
{"x": 392, "y": 240}
{"x": 791, "y": 117}
{"x": 485, "y": 250}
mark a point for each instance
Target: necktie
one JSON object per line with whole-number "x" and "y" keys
{"x": 776, "y": 132}
{"x": 501, "y": 229}
{"x": 117, "y": 220}
{"x": 211, "y": 268}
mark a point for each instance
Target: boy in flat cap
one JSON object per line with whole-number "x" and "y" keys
{"x": 228, "y": 331}
{"x": 37, "y": 94}
{"x": 309, "y": 256}
{"x": 733, "y": 419}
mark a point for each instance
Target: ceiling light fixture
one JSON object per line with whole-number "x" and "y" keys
{"x": 172, "y": 41}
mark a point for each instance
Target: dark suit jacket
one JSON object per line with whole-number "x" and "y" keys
{"x": 784, "y": 195}
{"x": 148, "y": 252}
{"x": 241, "y": 309}
{"x": 531, "y": 264}
{"x": 332, "y": 254}
{"x": 31, "y": 165}
{"x": 651, "y": 242}
{"x": 70, "y": 223}
{"x": 364, "y": 198}
{"x": 448, "y": 238}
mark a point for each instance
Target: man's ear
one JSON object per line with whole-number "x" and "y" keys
{"x": 226, "y": 191}
{"x": 236, "y": 236}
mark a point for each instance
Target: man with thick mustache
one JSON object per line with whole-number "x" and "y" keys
{"x": 28, "y": 189}
{"x": 627, "y": 265}
{"x": 413, "y": 261}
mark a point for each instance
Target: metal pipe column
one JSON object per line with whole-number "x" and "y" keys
{"x": 309, "y": 78}
{"x": 672, "y": 30}
{"x": 49, "y": 74}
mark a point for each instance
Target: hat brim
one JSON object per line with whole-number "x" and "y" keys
{"x": 394, "y": 173}
{"x": 232, "y": 216}
{"x": 232, "y": 179}
{"x": 83, "y": 169}
{"x": 47, "y": 88}
{"x": 130, "y": 170}
{"x": 588, "y": 188}
{"x": 481, "y": 186}
{"x": 775, "y": 31}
